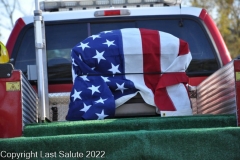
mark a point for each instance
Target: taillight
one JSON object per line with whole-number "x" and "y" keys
{"x": 111, "y": 12}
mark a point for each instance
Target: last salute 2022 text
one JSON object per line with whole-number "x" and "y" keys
{"x": 54, "y": 154}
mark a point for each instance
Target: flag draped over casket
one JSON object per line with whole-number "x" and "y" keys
{"x": 111, "y": 67}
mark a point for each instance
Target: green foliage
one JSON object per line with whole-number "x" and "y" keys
{"x": 226, "y": 14}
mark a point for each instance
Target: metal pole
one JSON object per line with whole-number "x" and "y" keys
{"x": 41, "y": 62}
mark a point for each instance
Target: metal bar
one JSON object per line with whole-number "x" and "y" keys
{"x": 41, "y": 62}
{"x": 237, "y": 84}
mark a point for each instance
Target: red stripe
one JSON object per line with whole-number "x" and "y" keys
{"x": 151, "y": 57}
{"x": 163, "y": 100}
{"x": 152, "y": 63}
{"x": 183, "y": 48}
{"x": 161, "y": 97}
{"x": 169, "y": 79}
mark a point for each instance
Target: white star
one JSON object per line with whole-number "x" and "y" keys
{"x": 105, "y": 79}
{"x": 94, "y": 89}
{"x": 109, "y": 43}
{"x": 101, "y": 100}
{"x": 76, "y": 94}
{"x": 83, "y": 45}
{"x": 99, "y": 56}
{"x": 95, "y": 36}
{"x": 101, "y": 116}
{"x": 73, "y": 62}
{"x": 120, "y": 87}
{"x": 84, "y": 78}
{"x": 93, "y": 68}
{"x": 114, "y": 69}
{"x": 107, "y": 32}
{"x": 85, "y": 108}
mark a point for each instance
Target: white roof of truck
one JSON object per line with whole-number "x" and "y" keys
{"x": 143, "y": 11}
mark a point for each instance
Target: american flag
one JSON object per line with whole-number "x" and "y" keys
{"x": 111, "y": 67}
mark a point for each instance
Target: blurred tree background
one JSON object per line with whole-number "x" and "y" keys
{"x": 10, "y": 11}
{"x": 226, "y": 14}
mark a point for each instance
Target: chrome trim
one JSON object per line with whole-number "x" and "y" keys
{"x": 29, "y": 102}
{"x": 217, "y": 94}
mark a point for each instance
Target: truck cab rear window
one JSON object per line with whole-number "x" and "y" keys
{"x": 61, "y": 37}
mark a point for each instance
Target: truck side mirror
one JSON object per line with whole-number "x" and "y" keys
{"x": 4, "y": 57}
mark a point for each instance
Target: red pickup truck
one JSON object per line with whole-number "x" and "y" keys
{"x": 68, "y": 23}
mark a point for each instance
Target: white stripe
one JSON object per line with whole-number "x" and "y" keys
{"x": 179, "y": 96}
{"x": 169, "y": 48}
{"x": 132, "y": 48}
{"x": 171, "y": 62}
{"x": 180, "y": 63}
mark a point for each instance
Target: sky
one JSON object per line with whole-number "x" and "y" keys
{"x": 27, "y": 6}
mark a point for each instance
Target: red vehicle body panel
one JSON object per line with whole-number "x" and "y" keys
{"x": 237, "y": 71}
{"x": 217, "y": 37}
{"x": 14, "y": 35}
{"x": 10, "y": 108}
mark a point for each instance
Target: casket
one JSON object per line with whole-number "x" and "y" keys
{"x": 112, "y": 67}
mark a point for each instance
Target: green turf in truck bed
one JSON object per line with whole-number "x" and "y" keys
{"x": 171, "y": 138}
{"x": 129, "y": 124}
{"x": 175, "y": 144}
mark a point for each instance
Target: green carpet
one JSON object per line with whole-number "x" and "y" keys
{"x": 176, "y": 138}
{"x": 129, "y": 124}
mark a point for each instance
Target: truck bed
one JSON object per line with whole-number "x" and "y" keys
{"x": 211, "y": 133}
